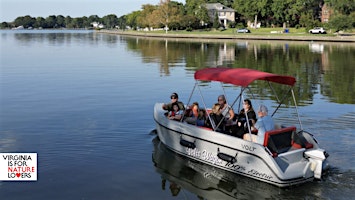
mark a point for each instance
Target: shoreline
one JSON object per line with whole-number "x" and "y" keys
{"x": 283, "y": 37}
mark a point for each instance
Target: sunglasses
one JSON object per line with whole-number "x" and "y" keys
{"x": 173, "y": 97}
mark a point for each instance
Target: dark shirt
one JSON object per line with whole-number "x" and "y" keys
{"x": 216, "y": 120}
{"x": 242, "y": 118}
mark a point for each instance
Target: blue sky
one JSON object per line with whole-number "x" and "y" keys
{"x": 10, "y": 9}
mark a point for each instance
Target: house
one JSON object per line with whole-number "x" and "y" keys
{"x": 224, "y": 13}
{"x": 97, "y": 25}
{"x": 326, "y": 13}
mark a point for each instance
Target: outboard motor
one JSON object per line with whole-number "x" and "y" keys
{"x": 316, "y": 156}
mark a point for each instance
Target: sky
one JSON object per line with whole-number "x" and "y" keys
{"x": 11, "y": 9}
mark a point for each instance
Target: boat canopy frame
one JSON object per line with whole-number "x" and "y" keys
{"x": 243, "y": 77}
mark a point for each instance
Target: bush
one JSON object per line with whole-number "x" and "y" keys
{"x": 340, "y": 22}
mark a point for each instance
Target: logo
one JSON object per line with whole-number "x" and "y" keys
{"x": 18, "y": 166}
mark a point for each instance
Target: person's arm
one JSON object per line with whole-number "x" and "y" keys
{"x": 231, "y": 113}
{"x": 166, "y": 106}
{"x": 195, "y": 111}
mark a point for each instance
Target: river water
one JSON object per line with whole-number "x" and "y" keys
{"x": 83, "y": 101}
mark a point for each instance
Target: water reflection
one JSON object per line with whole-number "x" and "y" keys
{"x": 318, "y": 67}
{"x": 59, "y": 38}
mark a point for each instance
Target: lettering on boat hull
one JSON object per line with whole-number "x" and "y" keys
{"x": 213, "y": 158}
{"x": 248, "y": 148}
{"x": 204, "y": 155}
{"x": 260, "y": 174}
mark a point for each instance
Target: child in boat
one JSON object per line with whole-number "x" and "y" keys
{"x": 176, "y": 113}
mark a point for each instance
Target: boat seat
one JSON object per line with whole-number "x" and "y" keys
{"x": 279, "y": 140}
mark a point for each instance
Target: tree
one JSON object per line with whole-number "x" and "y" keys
{"x": 26, "y": 21}
{"x": 68, "y": 22}
{"x": 192, "y": 6}
{"x": 190, "y": 22}
{"x": 51, "y": 21}
{"x": 286, "y": 11}
{"x": 166, "y": 13}
{"x": 216, "y": 23}
{"x": 60, "y": 21}
{"x": 122, "y": 22}
{"x": 132, "y": 19}
{"x": 252, "y": 9}
{"x": 340, "y": 22}
{"x": 110, "y": 21}
{"x": 40, "y": 22}
{"x": 4, "y": 25}
{"x": 94, "y": 18}
{"x": 345, "y": 7}
{"x": 146, "y": 19}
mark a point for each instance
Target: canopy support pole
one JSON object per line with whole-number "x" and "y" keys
{"x": 193, "y": 89}
{"x": 298, "y": 115}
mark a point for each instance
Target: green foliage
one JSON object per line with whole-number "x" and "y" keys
{"x": 216, "y": 23}
{"x": 190, "y": 21}
{"x": 26, "y": 21}
{"x": 5, "y": 25}
{"x": 110, "y": 21}
{"x": 131, "y": 19}
{"x": 307, "y": 21}
{"x": 345, "y": 7}
{"x": 341, "y": 22}
{"x": 175, "y": 15}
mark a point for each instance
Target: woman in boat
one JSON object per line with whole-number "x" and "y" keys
{"x": 226, "y": 110}
{"x": 196, "y": 116}
{"x": 176, "y": 113}
{"x": 247, "y": 114}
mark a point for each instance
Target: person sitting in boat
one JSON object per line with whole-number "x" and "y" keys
{"x": 176, "y": 113}
{"x": 247, "y": 114}
{"x": 195, "y": 116}
{"x": 226, "y": 110}
{"x": 215, "y": 119}
{"x": 263, "y": 124}
{"x": 174, "y": 99}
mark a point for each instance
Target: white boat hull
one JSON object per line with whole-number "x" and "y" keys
{"x": 234, "y": 154}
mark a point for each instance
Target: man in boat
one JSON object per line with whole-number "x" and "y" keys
{"x": 264, "y": 123}
{"x": 174, "y": 99}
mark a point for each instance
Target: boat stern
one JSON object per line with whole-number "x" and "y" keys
{"x": 317, "y": 158}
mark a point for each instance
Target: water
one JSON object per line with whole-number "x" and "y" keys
{"x": 84, "y": 101}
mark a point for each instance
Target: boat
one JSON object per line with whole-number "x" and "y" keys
{"x": 288, "y": 156}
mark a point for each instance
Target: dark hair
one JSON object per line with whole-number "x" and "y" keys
{"x": 222, "y": 97}
{"x": 249, "y": 103}
{"x": 174, "y": 95}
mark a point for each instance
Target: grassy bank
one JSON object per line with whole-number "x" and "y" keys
{"x": 256, "y": 34}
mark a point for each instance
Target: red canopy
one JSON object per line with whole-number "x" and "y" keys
{"x": 241, "y": 76}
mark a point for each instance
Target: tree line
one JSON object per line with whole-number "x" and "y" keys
{"x": 193, "y": 14}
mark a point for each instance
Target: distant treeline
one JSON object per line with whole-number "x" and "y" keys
{"x": 194, "y": 15}
{"x": 60, "y": 21}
